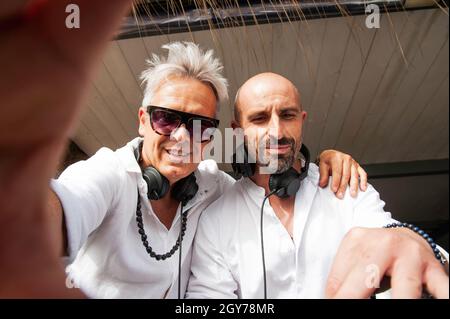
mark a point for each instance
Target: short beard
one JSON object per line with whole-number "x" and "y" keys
{"x": 285, "y": 162}
{"x": 280, "y": 164}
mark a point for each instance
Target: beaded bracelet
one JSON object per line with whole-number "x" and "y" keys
{"x": 424, "y": 235}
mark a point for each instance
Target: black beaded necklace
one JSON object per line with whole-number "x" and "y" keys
{"x": 144, "y": 237}
{"x": 183, "y": 197}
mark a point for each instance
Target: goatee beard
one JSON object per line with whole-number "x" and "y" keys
{"x": 281, "y": 163}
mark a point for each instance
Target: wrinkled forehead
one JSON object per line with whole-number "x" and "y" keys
{"x": 263, "y": 94}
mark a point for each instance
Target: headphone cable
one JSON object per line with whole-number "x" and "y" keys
{"x": 179, "y": 255}
{"x": 262, "y": 241}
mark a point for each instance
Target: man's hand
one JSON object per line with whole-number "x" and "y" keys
{"x": 344, "y": 170}
{"x": 45, "y": 71}
{"x": 366, "y": 255}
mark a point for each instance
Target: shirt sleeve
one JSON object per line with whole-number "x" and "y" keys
{"x": 369, "y": 210}
{"x": 86, "y": 191}
{"x": 210, "y": 275}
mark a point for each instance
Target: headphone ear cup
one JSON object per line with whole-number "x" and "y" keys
{"x": 185, "y": 189}
{"x": 157, "y": 184}
{"x": 287, "y": 184}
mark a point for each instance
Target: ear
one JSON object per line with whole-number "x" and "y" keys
{"x": 304, "y": 114}
{"x": 142, "y": 120}
{"x": 234, "y": 124}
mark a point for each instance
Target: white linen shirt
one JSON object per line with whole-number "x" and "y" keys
{"x": 227, "y": 261}
{"x": 99, "y": 198}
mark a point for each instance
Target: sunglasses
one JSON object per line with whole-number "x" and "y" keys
{"x": 164, "y": 121}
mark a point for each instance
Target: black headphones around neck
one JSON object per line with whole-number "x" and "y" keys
{"x": 285, "y": 184}
{"x": 158, "y": 185}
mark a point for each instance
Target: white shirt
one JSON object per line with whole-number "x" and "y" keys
{"x": 226, "y": 260}
{"x": 99, "y": 198}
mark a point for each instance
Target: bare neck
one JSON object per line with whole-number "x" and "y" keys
{"x": 165, "y": 209}
{"x": 283, "y": 207}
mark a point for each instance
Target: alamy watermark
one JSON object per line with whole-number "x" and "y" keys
{"x": 373, "y": 17}
{"x": 73, "y": 17}
{"x": 373, "y": 278}
{"x": 262, "y": 146}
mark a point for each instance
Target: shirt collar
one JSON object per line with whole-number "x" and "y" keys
{"x": 127, "y": 155}
{"x": 257, "y": 193}
{"x": 303, "y": 199}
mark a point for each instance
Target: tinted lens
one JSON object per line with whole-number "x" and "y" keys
{"x": 205, "y": 127}
{"x": 164, "y": 122}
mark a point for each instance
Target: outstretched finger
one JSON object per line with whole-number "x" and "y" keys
{"x": 436, "y": 281}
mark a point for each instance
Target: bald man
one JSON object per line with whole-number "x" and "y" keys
{"x": 314, "y": 245}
